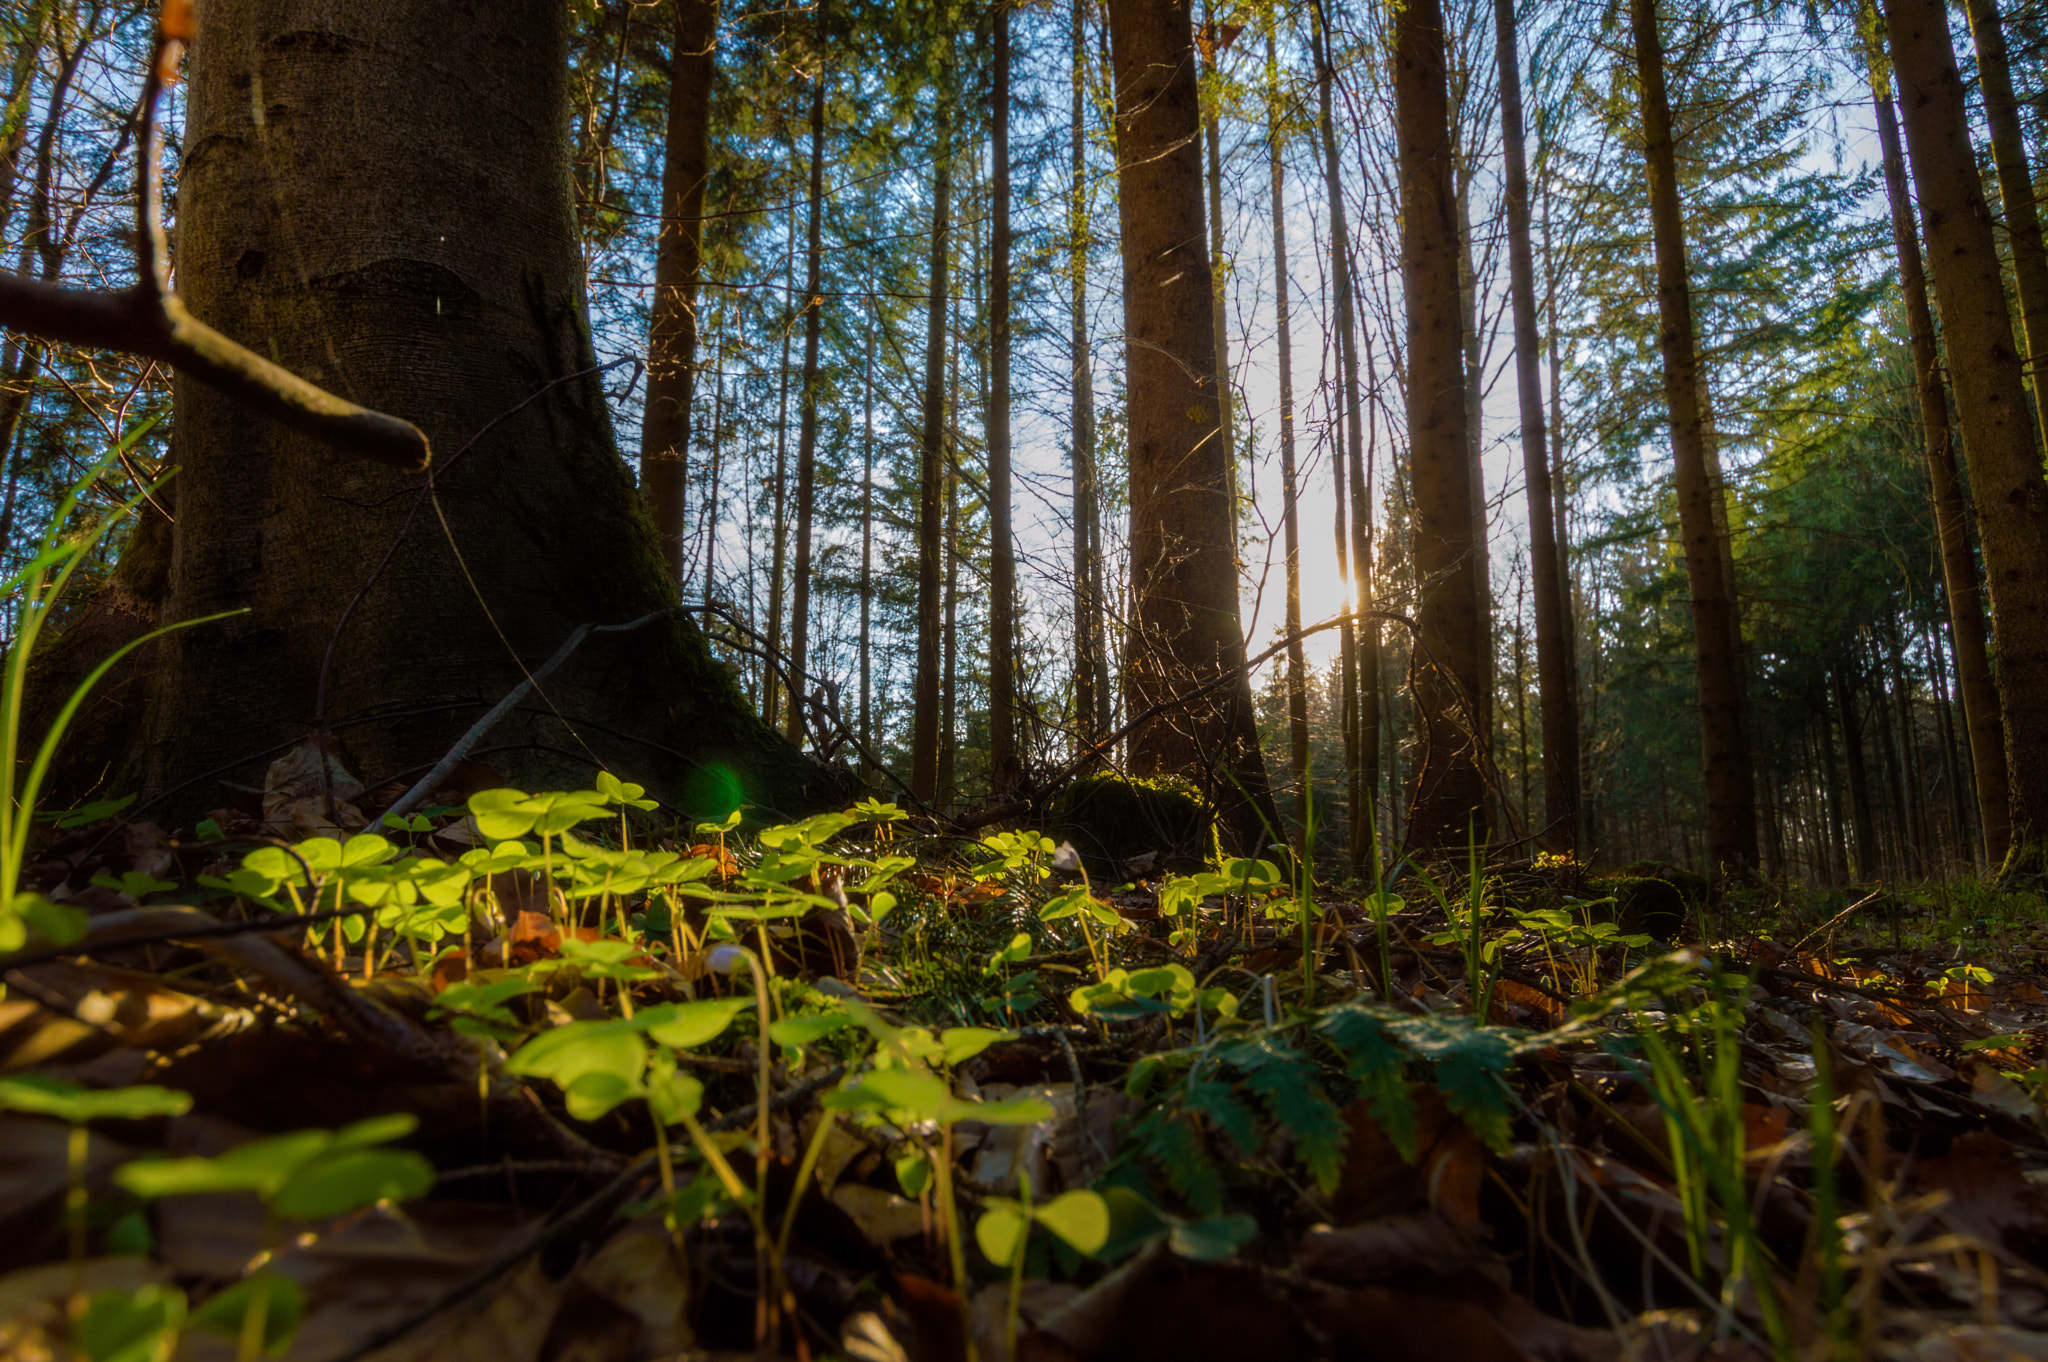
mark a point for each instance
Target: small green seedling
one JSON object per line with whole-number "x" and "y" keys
{"x": 77, "y": 1107}
{"x": 1079, "y": 1219}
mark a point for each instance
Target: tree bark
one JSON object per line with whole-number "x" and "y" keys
{"x": 1560, "y": 722}
{"x": 807, "y": 408}
{"x": 1449, "y": 796}
{"x": 931, "y": 474}
{"x": 400, "y": 226}
{"x": 1361, "y": 659}
{"x": 1952, "y": 523}
{"x": 1730, "y": 783}
{"x": 1859, "y": 778}
{"x": 1212, "y": 136}
{"x": 1091, "y": 665}
{"x": 1005, "y": 772}
{"x": 1998, "y": 436}
{"x": 2015, "y": 179}
{"x": 678, "y": 257}
{"x": 1183, "y": 561}
{"x": 1290, "y": 520}
{"x": 867, "y": 548}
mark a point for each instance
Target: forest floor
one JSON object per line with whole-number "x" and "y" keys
{"x": 499, "y": 1081}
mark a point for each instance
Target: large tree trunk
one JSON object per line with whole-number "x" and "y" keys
{"x": 807, "y": 417}
{"x": 1005, "y": 773}
{"x": 1449, "y": 795}
{"x": 1553, "y": 656}
{"x": 678, "y": 253}
{"x": 1183, "y": 561}
{"x": 931, "y": 479}
{"x": 399, "y": 227}
{"x": 1290, "y": 520}
{"x": 1998, "y": 437}
{"x": 1958, "y": 561}
{"x": 1730, "y": 784}
{"x": 2015, "y": 179}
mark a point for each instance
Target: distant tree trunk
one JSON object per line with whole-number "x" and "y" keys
{"x": 1998, "y": 437}
{"x": 1361, "y": 660}
{"x": 1212, "y": 46}
{"x": 772, "y": 700}
{"x": 1449, "y": 795}
{"x": 717, "y": 458}
{"x": 1297, "y": 664}
{"x": 1091, "y": 667}
{"x": 1730, "y": 784}
{"x": 1475, "y": 433}
{"x": 678, "y": 255}
{"x": 1005, "y": 773}
{"x": 931, "y": 476}
{"x": 1183, "y": 559}
{"x": 867, "y": 546}
{"x": 807, "y": 415}
{"x": 1834, "y": 787}
{"x": 1967, "y": 846}
{"x": 453, "y": 319}
{"x": 1560, "y": 720}
{"x": 2015, "y": 180}
{"x": 1859, "y": 779}
{"x": 1909, "y": 749}
{"x": 1952, "y": 523}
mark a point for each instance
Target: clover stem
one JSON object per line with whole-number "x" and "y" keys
{"x": 956, "y": 1253}
{"x": 76, "y": 1152}
{"x": 668, "y": 1179}
{"x": 1017, "y": 1261}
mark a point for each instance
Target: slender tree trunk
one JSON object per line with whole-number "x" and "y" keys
{"x": 1967, "y": 848}
{"x": 1843, "y": 872}
{"x": 1212, "y": 133}
{"x": 1897, "y": 836}
{"x": 1909, "y": 750}
{"x": 1005, "y": 773}
{"x": 1859, "y": 779}
{"x": 1183, "y": 558}
{"x": 807, "y": 413}
{"x": 1998, "y": 436}
{"x": 772, "y": 698}
{"x": 1361, "y": 669}
{"x": 717, "y": 453}
{"x": 1091, "y": 675}
{"x": 678, "y": 256}
{"x": 1449, "y": 796}
{"x": 1730, "y": 784}
{"x": 1554, "y": 666}
{"x": 1952, "y": 523}
{"x": 931, "y": 476}
{"x": 1290, "y": 520}
{"x": 1475, "y": 435}
{"x": 2015, "y": 179}
{"x": 867, "y": 546}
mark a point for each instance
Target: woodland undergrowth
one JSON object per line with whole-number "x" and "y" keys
{"x": 553, "y": 1075}
{"x": 566, "y": 1075}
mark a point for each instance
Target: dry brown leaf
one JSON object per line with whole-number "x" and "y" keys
{"x": 1989, "y": 1197}
{"x": 1160, "y": 1308}
{"x": 1389, "y": 1247}
{"x": 883, "y": 1216}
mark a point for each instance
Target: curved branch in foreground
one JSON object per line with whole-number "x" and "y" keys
{"x": 148, "y": 319}
{"x": 160, "y": 328}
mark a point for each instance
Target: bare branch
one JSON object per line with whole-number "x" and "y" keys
{"x": 149, "y": 319}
